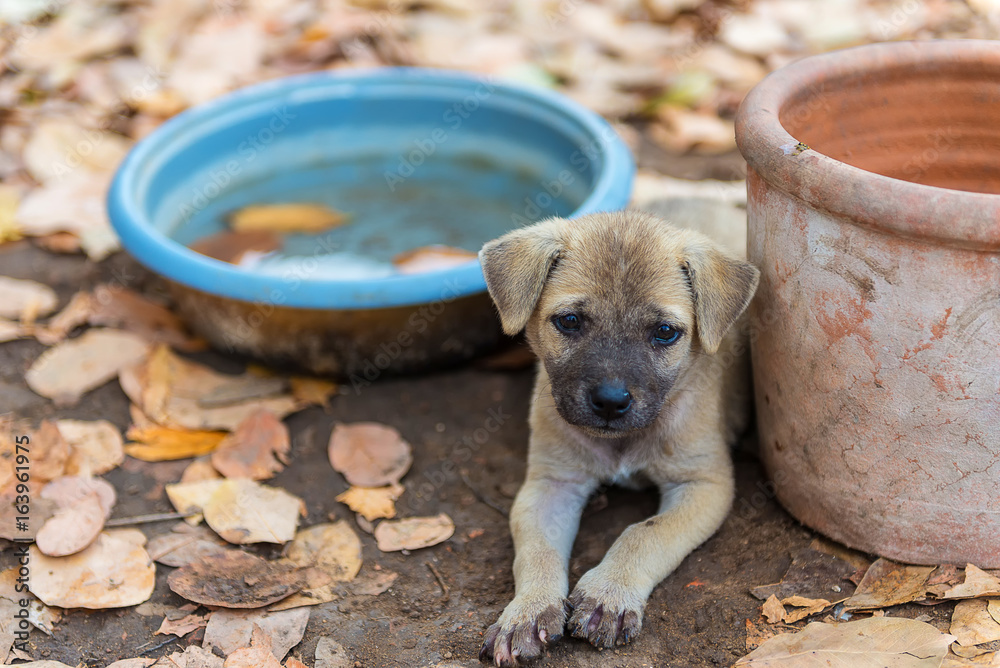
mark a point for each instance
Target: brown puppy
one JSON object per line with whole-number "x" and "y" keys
{"x": 630, "y": 318}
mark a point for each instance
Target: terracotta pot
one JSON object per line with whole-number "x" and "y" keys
{"x": 874, "y": 216}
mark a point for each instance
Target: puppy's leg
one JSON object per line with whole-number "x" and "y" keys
{"x": 608, "y": 600}
{"x": 544, "y": 521}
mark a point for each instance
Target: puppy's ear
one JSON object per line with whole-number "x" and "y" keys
{"x": 723, "y": 287}
{"x": 516, "y": 266}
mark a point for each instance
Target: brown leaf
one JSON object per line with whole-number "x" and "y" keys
{"x": 200, "y": 469}
{"x": 286, "y": 218}
{"x": 76, "y": 313}
{"x": 236, "y": 580}
{"x": 25, "y": 300}
{"x": 82, "y": 506}
{"x": 329, "y": 554}
{"x": 72, "y": 368}
{"x": 372, "y": 503}
{"x": 972, "y": 623}
{"x": 977, "y": 583}
{"x": 229, "y": 246}
{"x": 192, "y": 657}
{"x": 117, "y": 306}
{"x": 806, "y": 607}
{"x": 373, "y": 584}
{"x": 369, "y": 454}
{"x": 243, "y": 511}
{"x": 114, "y": 572}
{"x": 258, "y": 449}
{"x": 413, "y": 533}
{"x": 191, "y": 497}
{"x": 258, "y": 655}
{"x": 158, "y": 444}
{"x": 184, "y": 545}
{"x": 229, "y": 630}
{"x": 877, "y": 642}
{"x": 96, "y": 446}
{"x": 312, "y": 390}
{"x": 49, "y": 452}
{"x": 773, "y": 610}
{"x": 887, "y": 583}
{"x": 168, "y": 388}
{"x": 431, "y": 258}
{"x": 183, "y": 626}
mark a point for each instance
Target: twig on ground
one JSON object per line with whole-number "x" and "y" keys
{"x": 440, "y": 580}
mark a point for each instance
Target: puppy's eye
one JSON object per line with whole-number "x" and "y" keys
{"x": 569, "y": 322}
{"x": 666, "y": 335}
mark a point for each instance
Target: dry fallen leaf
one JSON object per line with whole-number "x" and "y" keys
{"x": 369, "y": 454}
{"x": 138, "y": 662}
{"x": 805, "y": 607}
{"x": 972, "y": 623}
{"x": 229, "y": 630}
{"x": 331, "y": 553}
{"x": 773, "y": 610}
{"x": 258, "y": 655}
{"x": 258, "y": 449}
{"x": 887, "y": 583}
{"x": 372, "y": 503}
{"x": 119, "y": 307}
{"x": 49, "y": 453}
{"x": 20, "y": 297}
{"x": 77, "y": 312}
{"x": 114, "y": 572}
{"x": 72, "y": 368}
{"x": 184, "y": 545}
{"x": 877, "y": 642}
{"x": 168, "y": 389}
{"x": 192, "y": 657}
{"x": 229, "y": 246}
{"x": 82, "y": 507}
{"x": 190, "y": 498}
{"x": 331, "y": 654}
{"x": 413, "y": 533}
{"x": 286, "y": 218}
{"x": 977, "y": 583}
{"x": 431, "y": 258}
{"x": 183, "y": 626}
{"x": 158, "y": 444}
{"x": 243, "y": 511}
{"x": 235, "y": 580}
{"x": 10, "y": 331}
{"x": 96, "y": 446}
{"x": 200, "y": 469}
{"x": 373, "y": 584}
{"x": 312, "y": 390}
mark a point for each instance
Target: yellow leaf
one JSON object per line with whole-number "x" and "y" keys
{"x": 372, "y": 502}
{"x": 9, "y": 199}
{"x": 312, "y": 390}
{"x": 158, "y": 444}
{"x": 305, "y": 218}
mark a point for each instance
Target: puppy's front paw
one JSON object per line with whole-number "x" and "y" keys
{"x": 604, "y": 612}
{"x": 523, "y": 631}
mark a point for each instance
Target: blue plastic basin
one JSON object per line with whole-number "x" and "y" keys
{"x": 475, "y": 157}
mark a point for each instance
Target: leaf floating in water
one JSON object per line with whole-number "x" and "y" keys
{"x": 232, "y": 247}
{"x": 431, "y": 258}
{"x": 286, "y": 218}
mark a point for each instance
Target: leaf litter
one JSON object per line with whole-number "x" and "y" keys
{"x": 236, "y": 579}
{"x": 369, "y": 454}
{"x": 329, "y": 554}
{"x": 258, "y": 449}
{"x": 231, "y": 630}
{"x": 413, "y": 533}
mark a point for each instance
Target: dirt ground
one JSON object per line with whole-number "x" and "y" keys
{"x": 446, "y": 595}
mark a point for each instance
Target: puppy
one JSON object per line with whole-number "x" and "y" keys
{"x": 628, "y": 317}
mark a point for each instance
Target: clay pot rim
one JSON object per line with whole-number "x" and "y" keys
{"x": 893, "y": 206}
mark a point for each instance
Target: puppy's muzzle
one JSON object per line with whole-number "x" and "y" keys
{"x": 610, "y": 400}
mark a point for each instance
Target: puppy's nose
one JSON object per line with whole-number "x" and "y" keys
{"x": 610, "y": 400}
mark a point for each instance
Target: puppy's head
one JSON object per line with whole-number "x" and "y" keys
{"x": 617, "y": 306}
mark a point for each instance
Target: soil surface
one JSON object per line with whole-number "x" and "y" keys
{"x": 445, "y": 596}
